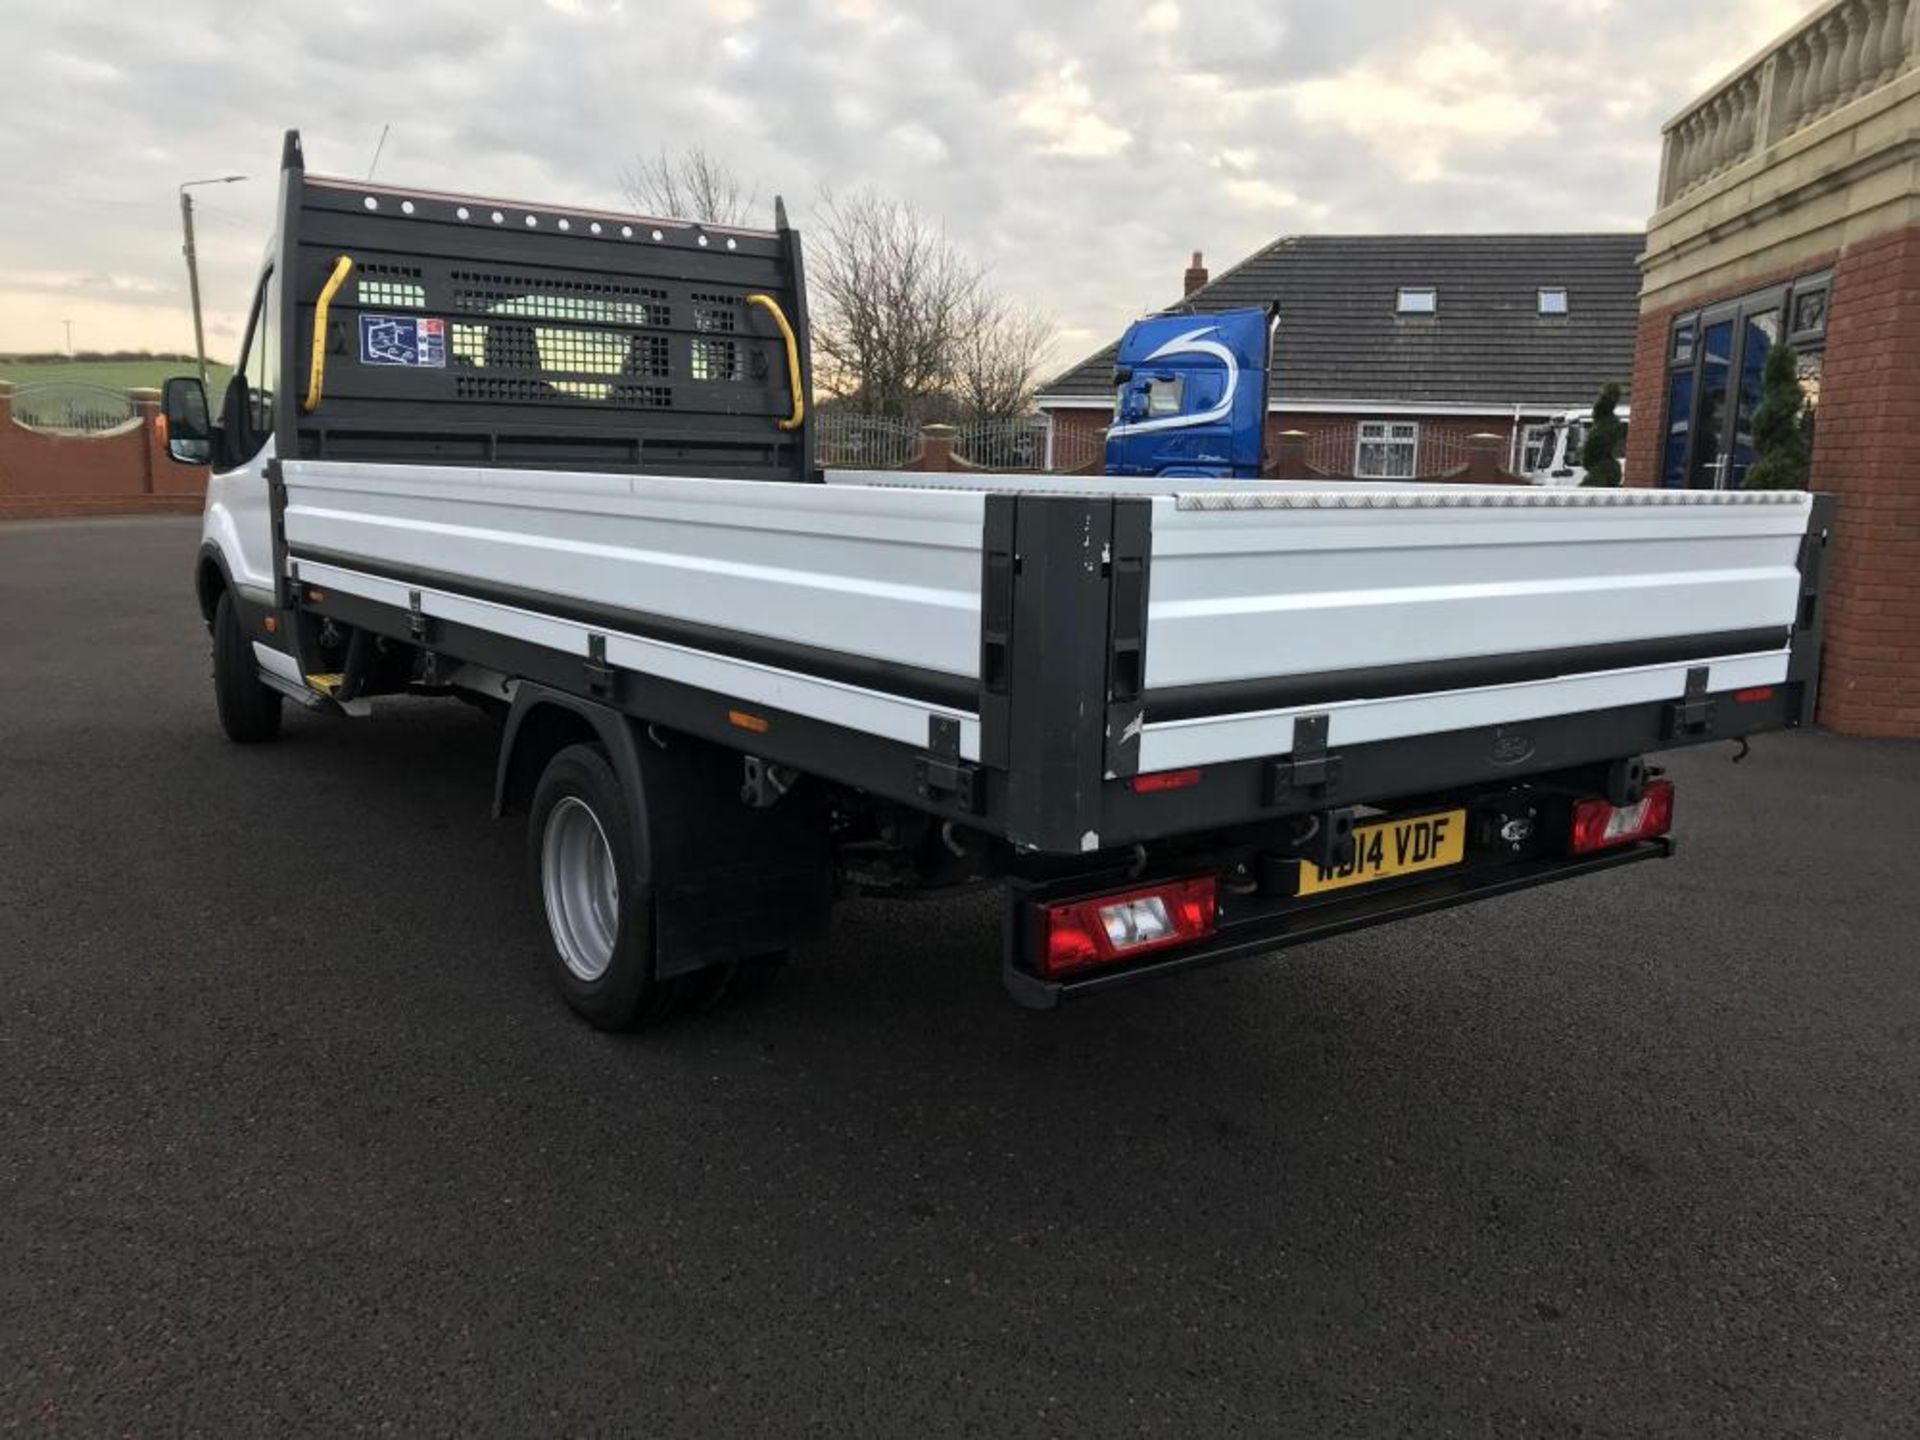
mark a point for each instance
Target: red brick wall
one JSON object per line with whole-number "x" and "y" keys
{"x": 1079, "y": 436}
{"x": 1443, "y": 438}
{"x": 1867, "y": 454}
{"x": 1077, "y": 432}
{"x": 44, "y": 475}
{"x": 1647, "y": 427}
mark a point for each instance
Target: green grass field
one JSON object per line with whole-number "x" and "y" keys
{"x": 114, "y": 374}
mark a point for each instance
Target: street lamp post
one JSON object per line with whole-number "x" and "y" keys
{"x": 193, "y": 266}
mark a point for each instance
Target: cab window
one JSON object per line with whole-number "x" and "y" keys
{"x": 1163, "y": 396}
{"x": 248, "y": 411}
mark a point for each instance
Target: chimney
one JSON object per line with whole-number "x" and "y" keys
{"x": 1196, "y": 274}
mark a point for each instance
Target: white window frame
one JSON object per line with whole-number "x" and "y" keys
{"x": 1394, "y": 433}
{"x": 1416, "y": 300}
{"x": 1536, "y": 447}
{"x": 1540, "y": 300}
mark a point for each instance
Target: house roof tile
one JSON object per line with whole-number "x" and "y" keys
{"x": 1340, "y": 337}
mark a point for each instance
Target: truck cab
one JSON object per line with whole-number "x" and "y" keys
{"x": 1550, "y": 451}
{"x": 1190, "y": 395}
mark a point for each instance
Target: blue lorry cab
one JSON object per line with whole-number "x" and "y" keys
{"x": 1190, "y": 395}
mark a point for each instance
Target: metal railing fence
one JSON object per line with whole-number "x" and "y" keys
{"x": 64, "y": 407}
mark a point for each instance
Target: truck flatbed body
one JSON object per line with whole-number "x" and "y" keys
{"x": 1375, "y": 615}
{"x": 559, "y": 462}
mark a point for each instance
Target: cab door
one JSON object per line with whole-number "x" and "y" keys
{"x": 239, "y": 515}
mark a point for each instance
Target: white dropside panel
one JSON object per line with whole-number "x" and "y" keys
{"x": 1246, "y": 587}
{"x": 892, "y": 717}
{"x": 885, "y": 574}
{"x": 1176, "y": 744}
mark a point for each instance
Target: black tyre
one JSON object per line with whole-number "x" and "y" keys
{"x": 596, "y": 897}
{"x": 249, "y": 711}
{"x": 594, "y": 894}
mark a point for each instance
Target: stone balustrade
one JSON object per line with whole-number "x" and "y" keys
{"x": 1844, "y": 50}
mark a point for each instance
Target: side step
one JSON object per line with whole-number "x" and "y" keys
{"x": 329, "y": 686}
{"x": 299, "y": 694}
{"x": 316, "y": 694}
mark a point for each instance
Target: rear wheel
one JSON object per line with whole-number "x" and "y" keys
{"x": 597, "y": 899}
{"x": 580, "y": 850}
{"x": 596, "y": 895}
{"x": 249, "y": 711}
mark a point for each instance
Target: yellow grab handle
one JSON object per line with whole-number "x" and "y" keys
{"x": 792, "y": 422}
{"x": 317, "y": 366}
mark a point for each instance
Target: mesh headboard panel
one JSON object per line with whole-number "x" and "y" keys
{"x": 482, "y": 332}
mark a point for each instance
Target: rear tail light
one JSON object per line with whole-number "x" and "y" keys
{"x": 1600, "y": 826}
{"x": 1082, "y": 934}
{"x": 1163, "y": 780}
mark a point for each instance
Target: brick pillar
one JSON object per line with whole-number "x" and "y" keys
{"x": 1867, "y": 453}
{"x": 1290, "y": 457}
{"x": 7, "y": 433}
{"x": 936, "y": 450}
{"x": 1646, "y": 431}
{"x": 146, "y": 404}
{"x": 1484, "y": 454}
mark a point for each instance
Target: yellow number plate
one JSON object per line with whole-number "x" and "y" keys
{"x": 1387, "y": 848}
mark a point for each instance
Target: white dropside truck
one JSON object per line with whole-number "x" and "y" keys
{"x": 1550, "y": 451}
{"x": 558, "y": 462}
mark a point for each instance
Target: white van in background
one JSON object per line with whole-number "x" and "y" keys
{"x": 1550, "y": 451}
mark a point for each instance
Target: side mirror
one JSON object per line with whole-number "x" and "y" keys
{"x": 183, "y": 408}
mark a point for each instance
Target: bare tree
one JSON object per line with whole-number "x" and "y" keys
{"x": 997, "y": 357}
{"x": 895, "y": 300}
{"x": 690, "y": 185}
{"x": 905, "y": 324}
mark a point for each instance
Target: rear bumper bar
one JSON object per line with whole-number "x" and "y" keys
{"x": 1257, "y": 927}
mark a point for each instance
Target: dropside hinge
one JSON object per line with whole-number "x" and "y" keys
{"x": 1311, "y": 771}
{"x": 600, "y": 675}
{"x": 418, "y": 625}
{"x": 1692, "y": 714}
{"x": 943, "y": 780}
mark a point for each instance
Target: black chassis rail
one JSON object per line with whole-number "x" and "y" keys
{"x": 1255, "y": 925}
{"x": 1065, "y": 581}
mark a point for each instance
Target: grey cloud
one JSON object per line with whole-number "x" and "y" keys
{"x": 999, "y": 116}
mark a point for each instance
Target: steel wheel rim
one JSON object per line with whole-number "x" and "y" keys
{"x": 582, "y": 888}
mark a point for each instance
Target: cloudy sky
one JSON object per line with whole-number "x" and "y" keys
{"x": 1081, "y": 150}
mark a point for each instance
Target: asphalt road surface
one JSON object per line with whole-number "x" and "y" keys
{"x": 294, "y": 1137}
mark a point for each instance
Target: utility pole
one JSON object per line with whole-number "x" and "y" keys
{"x": 193, "y": 267}
{"x": 69, "y": 325}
